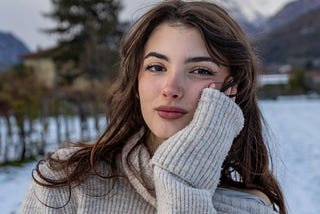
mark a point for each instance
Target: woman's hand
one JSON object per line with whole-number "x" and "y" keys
{"x": 230, "y": 91}
{"x": 195, "y": 154}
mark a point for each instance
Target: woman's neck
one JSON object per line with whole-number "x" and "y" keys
{"x": 153, "y": 143}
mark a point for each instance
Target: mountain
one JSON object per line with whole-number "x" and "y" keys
{"x": 249, "y": 13}
{"x": 244, "y": 17}
{"x": 296, "y": 42}
{"x": 252, "y": 15}
{"x": 290, "y": 12}
{"x": 11, "y": 48}
{"x": 260, "y": 17}
{"x": 247, "y": 16}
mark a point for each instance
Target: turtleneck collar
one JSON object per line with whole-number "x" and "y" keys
{"x": 136, "y": 163}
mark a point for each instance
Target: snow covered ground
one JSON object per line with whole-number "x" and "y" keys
{"x": 296, "y": 127}
{"x": 296, "y": 137}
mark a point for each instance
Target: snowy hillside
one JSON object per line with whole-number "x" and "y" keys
{"x": 252, "y": 15}
{"x": 254, "y": 10}
{"x": 296, "y": 137}
{"x": 251, "y": 9}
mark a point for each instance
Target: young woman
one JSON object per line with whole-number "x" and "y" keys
{"x": 184, "y": 129}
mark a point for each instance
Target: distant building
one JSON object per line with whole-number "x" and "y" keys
{"x": 43, "y": 65}
{"x": 273, "y": 79}
{"x": 46, "y": 70}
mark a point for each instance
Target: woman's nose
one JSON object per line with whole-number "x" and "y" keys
{"x": 172, "y": 88}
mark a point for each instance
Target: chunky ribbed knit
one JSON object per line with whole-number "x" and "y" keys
{"x": 181, "y": 177}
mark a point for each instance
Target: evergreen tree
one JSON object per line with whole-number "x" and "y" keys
{"x": 88, "y": 31}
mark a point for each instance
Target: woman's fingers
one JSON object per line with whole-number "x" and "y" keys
{"x": 230, "y": 92}
{"x": 212, "y": 85}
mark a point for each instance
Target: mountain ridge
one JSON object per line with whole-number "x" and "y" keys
{"x": 11, "y": 49}
{"x": 290, "y": 12}
{"x": 295, "y": 43}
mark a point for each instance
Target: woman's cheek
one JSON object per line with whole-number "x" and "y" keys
{"x": 203, "y": 85}
{"x": 197, "y": 91}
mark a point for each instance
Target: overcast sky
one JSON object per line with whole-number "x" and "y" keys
{"x": 23, "y": 18}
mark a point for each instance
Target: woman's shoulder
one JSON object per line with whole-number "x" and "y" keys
{"x": 50, "y": 167}
{"x": 259, "y": 194}
{"x": 244, "y": 199}
{"x": 65, "y": 152}
{"x": 253, "y": 194}
{"x": 57, "y": 164}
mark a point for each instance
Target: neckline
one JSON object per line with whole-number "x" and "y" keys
{"x": 140, "y": 168}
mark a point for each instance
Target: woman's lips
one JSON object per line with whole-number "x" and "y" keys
{"x": 170, "y": 112}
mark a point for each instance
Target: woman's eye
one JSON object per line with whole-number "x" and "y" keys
{"x": 203, "y": 71}
{"x": 155, "y": 68}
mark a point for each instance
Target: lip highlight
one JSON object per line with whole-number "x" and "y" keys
{"x": 170, "y": 112}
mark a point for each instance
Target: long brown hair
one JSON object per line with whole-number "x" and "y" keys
{"x": 247, "y": 164}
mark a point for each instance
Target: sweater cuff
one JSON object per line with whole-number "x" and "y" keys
{"x": 196, "y": 153}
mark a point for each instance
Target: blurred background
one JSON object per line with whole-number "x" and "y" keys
{"x": 59, "y": 57}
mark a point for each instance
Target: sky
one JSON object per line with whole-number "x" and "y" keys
{"x": 24, "y": 18}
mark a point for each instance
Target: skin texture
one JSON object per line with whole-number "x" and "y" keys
{"x": 176, "y": 68}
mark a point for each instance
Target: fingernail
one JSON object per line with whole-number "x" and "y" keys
{"x": 212, "y": 85}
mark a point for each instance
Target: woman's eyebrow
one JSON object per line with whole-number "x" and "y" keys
{"x": 188, "y": 60}
{"x": 199, "y": 59}
{"x": 157, "y": 55}
{"x": 202, "y": 59}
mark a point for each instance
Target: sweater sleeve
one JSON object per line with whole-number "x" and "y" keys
{"x": 187, "y": 166}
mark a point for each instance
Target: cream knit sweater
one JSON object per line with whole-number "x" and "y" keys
{"x": 181, "y": 177}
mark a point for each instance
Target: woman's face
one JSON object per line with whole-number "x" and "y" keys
{"x": 176, "y": 66}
